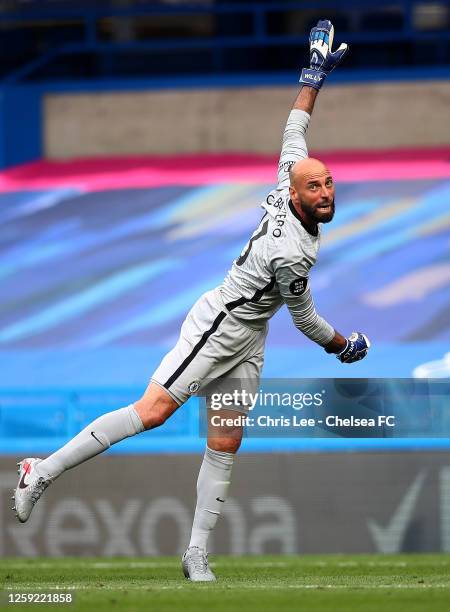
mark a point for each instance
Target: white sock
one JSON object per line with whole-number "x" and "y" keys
{"x": 212, "y": 485}
{"x": 92, "y": 440}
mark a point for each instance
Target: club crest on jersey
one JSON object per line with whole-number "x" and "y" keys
{"x": 298, "y": 285}
{"x": 194, "y": 386}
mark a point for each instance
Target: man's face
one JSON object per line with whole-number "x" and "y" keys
{"x": 313, "y": 192}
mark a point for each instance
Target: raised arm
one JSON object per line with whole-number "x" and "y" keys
{"x": 294, "y": 143}
{"x": 322, "y": 62}
{"x": 296, "y": 292}
{"x": 306, "y": 99}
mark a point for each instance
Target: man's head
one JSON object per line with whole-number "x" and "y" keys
{"x": 312, "y": 191}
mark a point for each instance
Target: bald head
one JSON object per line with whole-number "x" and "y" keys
{"x": 312, "y": 191}
{"x": 307, "y": 169}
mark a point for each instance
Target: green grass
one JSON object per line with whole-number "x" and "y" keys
{"x": 262, "y": 583}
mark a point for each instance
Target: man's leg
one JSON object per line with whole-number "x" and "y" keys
{"x": 151, "y": 411}
{"x": 212, "y": 486}
{"x": 214, "y": 478}
{"x": 224, "y": 441}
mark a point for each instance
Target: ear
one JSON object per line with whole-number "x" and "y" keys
{"x": 292, "y": 192}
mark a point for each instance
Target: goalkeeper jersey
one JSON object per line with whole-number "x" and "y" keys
{"x": 274, "y": 266}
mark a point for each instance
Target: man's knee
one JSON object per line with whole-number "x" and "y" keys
{"x": 155, "y": 406}
{"x": 225, "y": 434}
{"x": 224, "y": 445}
{"x": 225, "y": 440}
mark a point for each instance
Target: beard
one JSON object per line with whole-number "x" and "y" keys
{"x": 316, "y": 214}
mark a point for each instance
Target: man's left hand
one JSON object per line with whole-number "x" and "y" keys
{"x": 357, "y": 346}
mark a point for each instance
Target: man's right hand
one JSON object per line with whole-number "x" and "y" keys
{"x": 322, "y": 59}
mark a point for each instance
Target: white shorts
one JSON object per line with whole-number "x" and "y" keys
{"x": 212, "y": 345}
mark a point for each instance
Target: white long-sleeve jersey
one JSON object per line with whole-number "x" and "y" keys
{"x": 274, "y": 266}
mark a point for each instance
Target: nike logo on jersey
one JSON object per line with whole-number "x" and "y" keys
{"x": 26, "y": 470}
{"x": 221, "y": 500}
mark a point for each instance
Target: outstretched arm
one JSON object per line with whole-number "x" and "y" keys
{"x": 294, "y": 143}
{"x": 337, "y": 343}
{"x": 298, "y": 298}
{"x": 292, "y": 280}
{"x": 306, "y": 99}
{"x": 322, "y": 62}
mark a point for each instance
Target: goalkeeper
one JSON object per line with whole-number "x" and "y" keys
{"x": 224, "y": 334}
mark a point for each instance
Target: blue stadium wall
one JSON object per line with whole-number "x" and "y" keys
{"x": 95, "y": 291}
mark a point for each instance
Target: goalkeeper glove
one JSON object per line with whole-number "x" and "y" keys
{"x": 357, "y": 346}
{"x": 322, "y": 59}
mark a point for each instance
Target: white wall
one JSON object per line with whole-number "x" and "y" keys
{"x": 367, "y": 116}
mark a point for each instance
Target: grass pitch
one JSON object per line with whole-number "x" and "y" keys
{"x": 264, "y": 583}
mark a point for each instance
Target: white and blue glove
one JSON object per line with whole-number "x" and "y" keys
{"x": 357, "y": 346}
{"x": 322, "y": 59}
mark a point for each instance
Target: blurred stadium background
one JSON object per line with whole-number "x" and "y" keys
{"x": 137, "y": 140}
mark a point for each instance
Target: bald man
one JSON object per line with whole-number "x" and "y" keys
{"x": 224, "y": 334}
